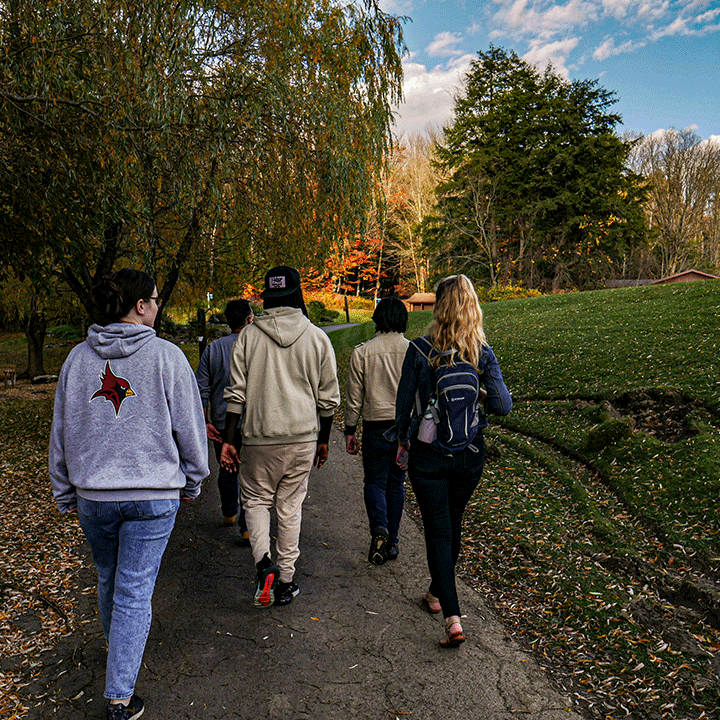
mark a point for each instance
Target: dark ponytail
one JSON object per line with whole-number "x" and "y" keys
{"x": 115, "y": 296}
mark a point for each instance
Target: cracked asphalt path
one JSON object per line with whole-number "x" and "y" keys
{"x": 355, "y": 643}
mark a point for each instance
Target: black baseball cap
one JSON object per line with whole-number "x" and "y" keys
{"x": 281, "y": 281}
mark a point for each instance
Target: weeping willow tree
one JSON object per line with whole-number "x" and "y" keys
{"x": 174, "y": 134}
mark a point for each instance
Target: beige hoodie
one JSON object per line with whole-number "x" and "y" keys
{"x": 283, "y": 376}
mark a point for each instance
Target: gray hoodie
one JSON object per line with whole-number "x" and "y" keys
{"x": 127, "y": 423}
{"x": 282, "y": 377}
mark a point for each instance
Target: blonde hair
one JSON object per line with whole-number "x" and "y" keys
{"x": 457, "y": 322}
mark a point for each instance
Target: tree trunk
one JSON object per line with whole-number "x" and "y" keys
{"x": 79, "y": 279}
{"x": 192, "y": 234}
{"x": 202, "y": 331}
{"x": 35, "y": 334}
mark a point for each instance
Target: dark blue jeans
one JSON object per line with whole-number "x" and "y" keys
{"x": 443, "y": 485}
{"x": 229, "y": 491}
{"x": 384, "y": 480}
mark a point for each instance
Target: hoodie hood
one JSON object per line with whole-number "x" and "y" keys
{"x": 118, "y": 339}
{"x": 283, "y": 324}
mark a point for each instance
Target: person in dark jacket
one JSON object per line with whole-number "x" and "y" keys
{"x": 213, "y": 376}
{"x": 443, "y": 483}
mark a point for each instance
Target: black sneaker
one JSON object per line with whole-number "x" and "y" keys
{"x": 267, "y": 576}
{"x": 393, "y": 551}
{"x": 285, "y": 592}
{"x": 134, "y": 709}
{"x": 379, "y": 546}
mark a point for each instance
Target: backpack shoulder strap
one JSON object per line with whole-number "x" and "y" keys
{"x": 426, "y": 350}
{"x": 424, "y": 346}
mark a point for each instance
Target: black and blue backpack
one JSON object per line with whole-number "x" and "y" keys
{"x": 455, "y": 403}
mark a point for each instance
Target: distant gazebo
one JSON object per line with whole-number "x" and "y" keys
{"x": 420, "y": 301}
{"x": 687, "y": 276}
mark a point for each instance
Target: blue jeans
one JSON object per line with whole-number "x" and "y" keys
{"x": 443, "y": 485}
{"x": 384, "y": 480}
{"x": 127, "y": 540}
{"x": 229, "y": 489}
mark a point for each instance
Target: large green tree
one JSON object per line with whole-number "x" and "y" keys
{"x": 230, "y": 133}
{"x": 536, "y": 187}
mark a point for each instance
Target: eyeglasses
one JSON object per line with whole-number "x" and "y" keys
{"x": 157, "y": 300}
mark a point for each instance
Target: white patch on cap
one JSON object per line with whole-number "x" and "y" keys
{"x": 276, "y": 282}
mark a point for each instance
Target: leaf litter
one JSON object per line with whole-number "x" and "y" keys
{"x": 42, "y": 550}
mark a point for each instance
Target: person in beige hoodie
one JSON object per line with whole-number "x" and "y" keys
{"x": 284, "y": 390}
{"x": 373, "y": 376}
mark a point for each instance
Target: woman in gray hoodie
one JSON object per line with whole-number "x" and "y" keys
{"x": 127, "y": 442}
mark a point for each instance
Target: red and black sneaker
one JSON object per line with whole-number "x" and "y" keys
{"x": 267, "y": 577}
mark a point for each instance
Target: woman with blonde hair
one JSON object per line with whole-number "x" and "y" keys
{"x": 445, "y": 468}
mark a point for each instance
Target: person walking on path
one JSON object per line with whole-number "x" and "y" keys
{"x": 283, "y": 384}
{"x": 371, "y": 389}
{"x": 127, "y": 442}
{"x": 213, "y": 376}
{"x": 444, "y": 480}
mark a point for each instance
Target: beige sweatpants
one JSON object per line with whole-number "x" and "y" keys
{"x": 275, "y": 475}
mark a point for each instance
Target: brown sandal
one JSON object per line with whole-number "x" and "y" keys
{"x": 455, "y": 636}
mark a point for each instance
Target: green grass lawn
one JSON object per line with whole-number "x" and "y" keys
{"x": 596, "y": 538}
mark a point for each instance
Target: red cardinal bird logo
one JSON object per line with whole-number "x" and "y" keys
{"x": 114, "y": 388}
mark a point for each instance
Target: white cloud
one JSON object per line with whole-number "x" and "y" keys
{"x": 688, "y": 24}
{"x": 396, "y": 7}
{"x": 518, "y": 14}
{"x": 523, "y": 18}
{"x": 540, "y": 54}
{"x": 708, "y": 17}
{"x": 696, "y": 5}
{"x": 605, "y": 50}
{"x": 617, "y": 8}
{"x": 444, "y": 44}
{"x": 430, "y": 94}
{"x": 608, "y": 48}
{"x": 652, "y": 11}
{"x": 679, "y": 26}
{"x": 560, "y": 18}
{"x": 564, "y": 31}
{"x": 514, "y": 17}
{"x": 541, "y": 21}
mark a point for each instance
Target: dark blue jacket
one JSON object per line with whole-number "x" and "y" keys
{"x": 417, "y": 384}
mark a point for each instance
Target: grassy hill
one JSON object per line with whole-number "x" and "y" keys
{"x": 596, "y": 529}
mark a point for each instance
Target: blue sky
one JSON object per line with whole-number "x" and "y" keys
{"x": 661, "y": 57}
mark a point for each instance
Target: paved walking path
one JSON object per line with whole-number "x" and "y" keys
{"x": 354, "y": 644}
